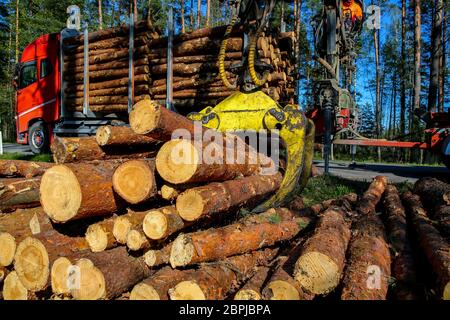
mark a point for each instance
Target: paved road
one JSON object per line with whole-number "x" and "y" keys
{"x": 14, "y": 147}
{"x": 395, "y": 173}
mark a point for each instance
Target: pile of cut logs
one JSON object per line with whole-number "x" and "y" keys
{"x": 196, "y": 83}
{"x": 120, "y": 217}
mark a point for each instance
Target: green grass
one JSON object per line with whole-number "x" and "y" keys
{"x": 326, "y": 187}
{"x": 20, "y": 156}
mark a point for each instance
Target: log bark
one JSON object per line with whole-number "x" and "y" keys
{"x": 216, "y": 281}
{"x": 35, "y": 255}
{"x": 198, "y": 58}
{"x": 204, "y": 201}
{"x": 403, "y": 266}
{"x": 123, "y": 82}
{"x": 196, "y": 95}
{"x": 106, "y": 74}
{"x": 435, "y": 196}
{"x": 22, "y": 168}
{"x": 134, "y": 181}
{"x": 252, "y": 289}
{"x": 119, "y": 64}
{"x": 100, "y": 236}
{"x": 372, "y": 196}
{"x": 124, "y": 223}
{"x": 118, "y": 136}
{"x": 157, "y": 122}
{"x": 76, "y": 191}
{"x": 200, "y": 46}
{"x": 101, "y": 279}
{"x": 103, "y": 100}
{"x": 66, "y": 150}
{"x": 249, "y": 234}
{"x": 116, "y": 42}
{"x": 160, "y": 223}
{"x": 16, "y": 226}
{"x": 369, "y": 263}
{"x": 320, "y": 266}
{"x": 435, "y": 247}
{"x": 18, "y": 193}
{"x": 139, "y": 89}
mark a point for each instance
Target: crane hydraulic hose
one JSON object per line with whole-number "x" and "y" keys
{"x": 251, "y": 63}
{"x": 222, "y": 53}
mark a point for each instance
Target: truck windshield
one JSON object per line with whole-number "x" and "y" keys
{"x": 28, "y": 74}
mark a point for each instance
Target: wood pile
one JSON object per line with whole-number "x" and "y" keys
{"x": 196, "y": 82}
{"x": 101, "y": 229}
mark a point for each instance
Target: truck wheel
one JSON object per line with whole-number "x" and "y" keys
{"x": 38, "y": 139}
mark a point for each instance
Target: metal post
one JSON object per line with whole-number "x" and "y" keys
{"x": 169, "y": 78}
{"x": 131, "y": 65}
{"x": 62, "y": 109}
{"x": 86, "y": 71}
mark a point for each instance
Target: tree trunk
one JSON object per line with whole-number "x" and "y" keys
{"x": 67, "y": 150}
{"x": 403, "y": 266}
{"x": 376, "y": 41}
{"x": 100, "y": 236}
{"x": 135, "y": 7}
{"x": 124, "y": 223}
{"x": 435, "y": 247}
{"x": 207, "y": 200}
{"x": 183, "y": 27}
{"x": 136, "y": 240}
{"x": 17, "y": 32}
{"x": 202, "y": 167}
{"x": 403, "y": 76}
{"x": 435, "y": 195}
{"x": 442, "y": 62}
{"x": 118, "y": 136}
{"x": 100, "y": 15}
{"x": 160, "y": 223}
{"x": 134, "y": 181}
{"x": 208, "y": 13}
{"x": 417, "y": 53}
{"x": 372, "y": 196}
{"x": 436, "y": 53}
{"x": 40, "y": 251}
{"x": 16, "y": 226}
{"x": 319, "y": 269}
{"x": 252, "y": 289}
{"x": 216, "y": 281}
{"x": 18, "y": 193}
{"x": 83, "y": 190}
{"x": 22, "y": 168}
{"x": 101, "y": 279}
{"x": 369, "y": 263}
{"x": 249, "y": 234}
{"x": 155, "y": 258}
{"x": 199, "y": 13}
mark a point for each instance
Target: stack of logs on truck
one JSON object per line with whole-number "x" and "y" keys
{"x": 115, "y": 224}
{"x": 196, "y": 82}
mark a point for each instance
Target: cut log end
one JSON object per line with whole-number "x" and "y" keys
{"x": 247, "y": 294}
{"x": 155, "y": 224}
{"x": 317, "y": 273}
{"x": 60, "y": 193}
{"x": 282, "y": 290}
{"x": 177, "y": 161}
{"x": 7, "y": 249}
{"x": 102, "y": 135}
{"x": 169, "y": 193}
{"x": 446, "y": 293}
{"x": 145, "y": 116}
{"x": 32, "y": 264}
{"x": 136, "y": 240}
{"x": 143, "y": 291}
{"x": 190, "y": 205}
{"x": 97, "y": 238}
{"x": 186, "y": 290}
{"x": 91, "y": 284}
{"x": 13, "y": 289}
{"x": 59, "y": 275}
{"x": 182, "y": 251}
{"x": 134, "y": 181}
{"x": 121, "y": 228}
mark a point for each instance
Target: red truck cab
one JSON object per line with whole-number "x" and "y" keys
{"x": 37, "y": 83}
